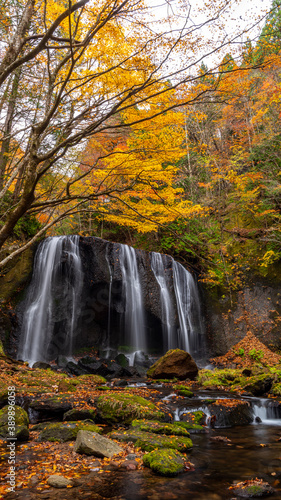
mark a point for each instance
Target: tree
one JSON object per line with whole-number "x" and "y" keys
{"x": 70, "y": 72}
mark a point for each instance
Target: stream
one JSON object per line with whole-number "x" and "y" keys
{"x": 220, "y": 458}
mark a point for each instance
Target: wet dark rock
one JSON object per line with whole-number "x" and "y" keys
{"x": 62, "y": 361}
{"x": 41, "y": 365}
{"x": 51, "y": 407}
{"x": 142, "y": 359}
{"x": 175, "y": 363}
{"x": 76, "y": 414}
{"x": 231, "y": 412}
{"x": 74, "y": 369}
{"x": 122, "y": 360}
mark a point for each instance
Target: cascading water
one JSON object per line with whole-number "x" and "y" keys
{"x": 188, "y": 306}
{"x": 53, "y": 295}
{"x": 157, "y": 266}
{"x": 132, "y": 292}
{"x": 109, "y": 298}
{"x": 143, "y": 313}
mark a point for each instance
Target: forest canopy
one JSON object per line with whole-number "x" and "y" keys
{"x": 117, "y": 123}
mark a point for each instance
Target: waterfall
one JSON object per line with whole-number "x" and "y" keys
{"x": 53, "y": 298}
{"x": 132, "y": 292}
{"x": 109, "y": 297}
{"x": 157, "y": 266}
{"x": 188, "y": 306}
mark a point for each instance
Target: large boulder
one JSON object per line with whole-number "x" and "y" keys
{"x": 10, "y": 416}
{"x": 175, "y": 363}
{"x": 91, "y": 443}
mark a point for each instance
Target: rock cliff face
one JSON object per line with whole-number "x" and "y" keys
{"x": 255, "y": 308}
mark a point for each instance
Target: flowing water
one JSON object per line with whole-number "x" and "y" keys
{"x": 57, "y": 278}
{"x": 188, "y": 306}
{"x": 158, "y": 269}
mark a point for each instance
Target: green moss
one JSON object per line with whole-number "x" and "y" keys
{"x": 21, "y": 423}
{"x": 160, "y": 428}
{"x": 166, "y": 462}
{"x": 151, "y": 370}
{"x": 192, "y": 428}
{"x": 226, "y": 377}
{"x": 149, "y": 441}
{"x": 66, "y": 431}
{"x": 126, "y": 407}
{"x": 276, "y": 389}
{"x": 196, "y": 417}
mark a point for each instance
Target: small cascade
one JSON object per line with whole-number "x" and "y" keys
{"x": 109, "y": 298}
{"x": 158, "y": 269}
{"x": 53, "y": 297}
{"x": 267, "y": 412}
{"x": 132, "y": 292}
{"x": 188, "y": 306}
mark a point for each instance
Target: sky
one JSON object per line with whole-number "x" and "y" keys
{"x": 242, "y": 19}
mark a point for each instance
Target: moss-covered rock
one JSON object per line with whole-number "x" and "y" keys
{"x": 10, "y": 415}
{"x": 165, "y": 462}
{"x": 91, "y": 379}
{"x": 175, "y": 363}
{"x": 183, "y": 390}
{"x": 76, "y": 414}
{"x": 195, "y": 417}
{"x": 113, "y": 408}
{"x": 252, "y": 488}
{"x": 160, "y": 428}
{"x": 52, "y": 405}
{"x": 149, "y": 441}
{"x": 66, "y": 431}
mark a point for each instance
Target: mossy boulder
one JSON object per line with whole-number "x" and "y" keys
{"x": 165, "y": 462}
{"x": 19, "y": 417}
{"x": 149, "y": 441}
{"x": 160, "y": 428}
{"x": 113, "y": 408}
{"x": 66, "y": 431}
{"x": 77, "y": 414}
{"x": 175, "y": 363}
